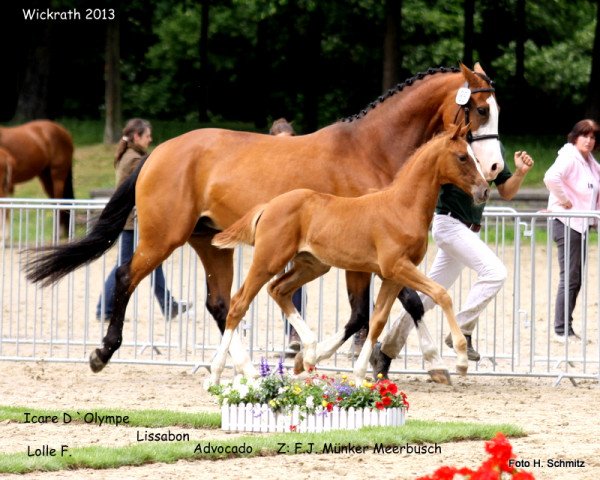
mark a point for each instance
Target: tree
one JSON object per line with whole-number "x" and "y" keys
{"x": 593, "y": 102}
{"x": 113, "y": 116}
{"x": 469, "y": 34}
{"x": 391, "y": 44}
{"x": 204, "y": 70}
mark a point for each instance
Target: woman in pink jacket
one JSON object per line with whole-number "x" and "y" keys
{"x": 574, "y": 183}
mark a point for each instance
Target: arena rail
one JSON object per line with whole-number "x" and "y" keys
{"x": 514, "y": 334}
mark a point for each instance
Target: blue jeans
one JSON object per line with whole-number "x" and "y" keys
{"x": 161, "y": 292}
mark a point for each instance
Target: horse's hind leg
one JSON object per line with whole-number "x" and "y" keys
{"x": 218, "y": 268}
{"x": 358, "y": 285}
{"x": 305, "y": 268}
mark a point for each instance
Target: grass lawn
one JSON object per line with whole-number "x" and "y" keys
{"x": 101, "y": 457}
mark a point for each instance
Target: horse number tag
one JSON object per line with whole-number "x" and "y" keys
{"x": 462, "y": 96}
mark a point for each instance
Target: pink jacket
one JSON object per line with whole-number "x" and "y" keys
{"x": 571, "y": 177}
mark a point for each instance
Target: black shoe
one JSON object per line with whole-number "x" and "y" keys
{"x": 472, "y": 354}
{"x": 177, "y": 307}
{"x": 380, "y": 362}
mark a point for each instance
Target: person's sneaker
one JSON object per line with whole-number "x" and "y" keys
{"x": 472, "y": 354}
{"x": 380, "y": 362}
{"x": 177, "y": 307}
{"x": 294, "y": 342}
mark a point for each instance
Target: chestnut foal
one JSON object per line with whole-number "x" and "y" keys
{"x": 384, "y": 232}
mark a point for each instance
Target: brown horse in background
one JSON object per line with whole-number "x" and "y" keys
{"x": 199, "y": 183}
{"x": 43, "y": 149}
{"x": 7, "y": 167}
{"x": 384, "y": 233}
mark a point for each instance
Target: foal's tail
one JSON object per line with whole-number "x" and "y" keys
{"x": 50, "y": 264}
{"x": 242, "y": 231}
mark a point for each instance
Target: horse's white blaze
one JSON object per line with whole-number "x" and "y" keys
{"x": 488, "y": 151}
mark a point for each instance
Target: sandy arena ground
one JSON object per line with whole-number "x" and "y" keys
{"x": 561, "y": 422}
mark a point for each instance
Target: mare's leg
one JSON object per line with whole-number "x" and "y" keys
{"x": 385, "y": 299}
{"x": 305, "y": 268}
{"x": 404, "y": 270}
{"x": 128, "y": 276}
{"x": 396, "y": 338}
{"x": 155, "y": 213}
{"x": 218, "y": 268}
{"x": 358, "y": 285}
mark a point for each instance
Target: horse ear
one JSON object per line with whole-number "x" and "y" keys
{"x": 455, "y": 130}
{"x": 464, "y": 130}
{"x": 477, "y": 68}
{"x": 470, "y": 77}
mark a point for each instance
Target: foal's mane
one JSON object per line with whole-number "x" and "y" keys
{"x": 398, "y": 88}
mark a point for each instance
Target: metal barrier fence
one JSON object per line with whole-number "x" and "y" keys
{"x": 514, "y": 334}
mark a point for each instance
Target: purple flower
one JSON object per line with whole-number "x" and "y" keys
{"x": 280, "y": 369}
{"x": 264, "y": 367}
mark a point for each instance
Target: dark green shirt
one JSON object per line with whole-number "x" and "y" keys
{"x": 453, "y": 199}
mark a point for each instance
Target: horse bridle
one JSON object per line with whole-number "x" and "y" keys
{"x": 470, "y": 137}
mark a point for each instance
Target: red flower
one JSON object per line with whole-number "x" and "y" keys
{"x": 329, "y": 407}
{"x": 501, "y": 449}
{"x": 292, "y": 428}
{"x": 379, "y": 405}
{"x": 386, "y": 401}
{"x": 393, "y": 388}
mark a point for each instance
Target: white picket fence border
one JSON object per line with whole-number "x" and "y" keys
{"x": 260, "y": 418}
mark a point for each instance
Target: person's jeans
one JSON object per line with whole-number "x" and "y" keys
{"x": 567, "y": 238}
{"x": 161, "y": 292}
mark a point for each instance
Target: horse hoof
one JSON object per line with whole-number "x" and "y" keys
{"x": 440, "y": 376}
{"x": 298, "y": 363}
{"x": 96, "y": 363}
{"x": 461, "y": 370}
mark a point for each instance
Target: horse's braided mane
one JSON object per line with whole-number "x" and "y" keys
{"x": 398, "y": 88}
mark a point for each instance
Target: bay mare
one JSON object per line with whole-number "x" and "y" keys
{"x": 384, "y": 233}
{"x": 42, "y": 149}
{"x": 195, "y": 185}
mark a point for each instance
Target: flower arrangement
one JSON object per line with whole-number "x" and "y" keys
{"x": 317, "y": 394}
{"x": 497, "y": 466}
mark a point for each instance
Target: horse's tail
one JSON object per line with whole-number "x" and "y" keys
{"x": 242, "y": 231}
{"x": 50, "y": 264}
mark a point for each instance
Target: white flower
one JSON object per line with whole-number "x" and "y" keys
{"x": 310, "y": 402}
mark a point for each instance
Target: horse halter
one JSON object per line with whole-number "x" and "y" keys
{"x": 463, "y": 96}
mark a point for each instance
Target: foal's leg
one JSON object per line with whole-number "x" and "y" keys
{"x": 256, "y": 278}
{"x": 218, "y": 268}
{"x": 414, "y": 308}
{"x": 385, "y": 299}
{"x": 405, "y": 271}
{"x": 305, "y": 268}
